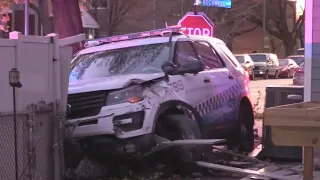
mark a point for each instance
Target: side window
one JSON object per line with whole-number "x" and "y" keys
{"x": 225, "y": 50}
{"x": 208, "y": 56}
{"x": 184, "y": 53}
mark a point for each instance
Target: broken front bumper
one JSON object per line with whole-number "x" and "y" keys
{"x": 122, "y": 121}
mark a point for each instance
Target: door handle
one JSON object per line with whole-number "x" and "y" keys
{"x": 230, "y": 76}
{"x": 206, "y": 80}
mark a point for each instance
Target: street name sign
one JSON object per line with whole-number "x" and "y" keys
{"x": 215, "y": 3}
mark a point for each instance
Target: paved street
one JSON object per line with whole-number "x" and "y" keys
{"x": 259, "y": 85}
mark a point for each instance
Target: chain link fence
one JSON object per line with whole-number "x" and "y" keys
{"x": 39, "y": 143}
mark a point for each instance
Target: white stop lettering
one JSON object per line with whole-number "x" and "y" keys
{"x": 198, "y": 31}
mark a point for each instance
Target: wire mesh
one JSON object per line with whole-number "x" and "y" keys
{"x": 7, "y": 146}
{"x": 37, "y": 144}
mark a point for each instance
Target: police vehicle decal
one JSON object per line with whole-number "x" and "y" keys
{"x": 212, "y": 108}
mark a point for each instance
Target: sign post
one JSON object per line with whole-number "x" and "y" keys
{"x": 197, "y": 24}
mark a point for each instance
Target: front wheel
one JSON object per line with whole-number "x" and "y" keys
{"x": 242, "y": 140}
{"x": 276, "y": 75}
{"x": 289, "y": 74}
{"x": 266, "y": 75}
{"x": 180, "y": 127}
{"x": 252, "y": 77}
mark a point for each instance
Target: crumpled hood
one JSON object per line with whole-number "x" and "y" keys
{"x": 110, "y": 83}
{"x": 260, "y": 63}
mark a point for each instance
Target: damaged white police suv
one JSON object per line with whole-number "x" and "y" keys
{"x": 125, "y": 90}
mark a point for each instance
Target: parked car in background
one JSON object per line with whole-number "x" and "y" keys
{"x": 265, "y": 64}
{"x": 300, "y": 51}
{"x": 297, "y": 58}
{"x": 298, "y": 76}
{"x": 247, "y": 63}
{"x": 287, "y": 67}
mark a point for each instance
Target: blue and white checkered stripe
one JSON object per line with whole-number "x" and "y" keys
{"x": 218, "y": 100}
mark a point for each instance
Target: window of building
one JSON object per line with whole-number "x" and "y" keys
{"x": 100, "y": 4}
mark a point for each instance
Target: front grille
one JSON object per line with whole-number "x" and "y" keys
{"x": 258, "y": 67}
{"x": 85, "y": 104}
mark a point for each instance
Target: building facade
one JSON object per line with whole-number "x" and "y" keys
{"x": 145, "y": 15}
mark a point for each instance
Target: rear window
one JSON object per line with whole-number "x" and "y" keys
{"x": 283, "y": 62}
{"x": 240, "y": 59}
{"x": 225, "y": 50}
{"x": 258, "y": 57}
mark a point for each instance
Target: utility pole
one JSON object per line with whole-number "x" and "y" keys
{"x": 154, "y": 14}
{"x": 26, "y": 17}
{"x": 182, "y": 8}
{"x": 264, "y": 25}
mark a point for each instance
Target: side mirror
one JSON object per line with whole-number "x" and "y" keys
{"x": 167, "y": 67}
{"x": 247, "y": 62}
{"x": 290, "y": 64}
{"x": 192, "y": 67}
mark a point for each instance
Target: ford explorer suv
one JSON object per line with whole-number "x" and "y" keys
{"x": 128, "y": 92}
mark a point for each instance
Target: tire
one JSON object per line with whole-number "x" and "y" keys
{"x": 252, "y": 76}
{"x": 276, "y": 75}
{"x": 174, "y": 127}
{"x": 266, "y": 75}
{"x": 289, "y": 74}
{"x": 242, "y": 139}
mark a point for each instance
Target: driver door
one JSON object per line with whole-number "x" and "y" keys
{"x": 197, "y": 87}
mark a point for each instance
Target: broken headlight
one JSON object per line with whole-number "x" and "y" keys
{"x": 131, "y": 94}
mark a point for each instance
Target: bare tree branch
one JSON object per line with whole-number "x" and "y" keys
{"x": 115, "y": 10}
{"x": 230, "y": 23}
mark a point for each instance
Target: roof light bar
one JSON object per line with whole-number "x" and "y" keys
{"x": 158, "y": 32}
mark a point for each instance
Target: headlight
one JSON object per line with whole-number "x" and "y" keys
{"x": 131, "y": 94}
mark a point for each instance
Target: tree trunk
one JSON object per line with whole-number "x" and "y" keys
{"x": 67, "y": 18}
{"x": 289, "y": 47}
{"x": 301, "y": 38}
{"x": 273, "y": 44}
{"x": 45, "y": 19}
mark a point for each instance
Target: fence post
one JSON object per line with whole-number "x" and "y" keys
{"x": 31, "y": 145}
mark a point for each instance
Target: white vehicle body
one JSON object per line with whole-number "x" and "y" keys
{"x": 226, "y": 84}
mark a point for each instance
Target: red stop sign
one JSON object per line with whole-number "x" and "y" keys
{"x": 197, "y": 25}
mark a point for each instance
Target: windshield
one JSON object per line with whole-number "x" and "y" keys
{"x": 297, "y": 59}
{"x": 283, "y": 62}
{"x": 258, "y": 57}
{"x": 145, "y": 59}
{"x": 240, "y": 59}
{"x": 302, "y": 65}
